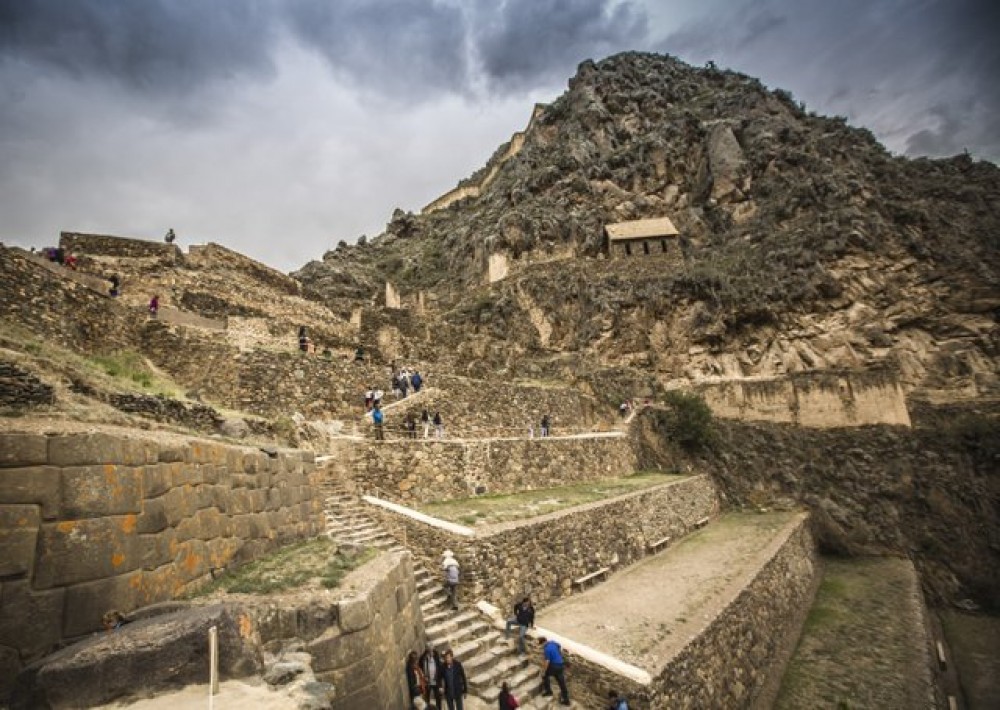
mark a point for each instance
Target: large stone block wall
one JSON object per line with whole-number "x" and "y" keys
{"x": 358, "y": 637}
{"x": 97, "y": 521}
{"x": 62, "y": 309}
{"x": 542, "y": 556}
{"x": 819, "y": 400}
{"x": 425, "y": 470}
{"x": 107, "y": 245}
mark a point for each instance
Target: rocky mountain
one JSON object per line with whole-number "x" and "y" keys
{"x": 806, "y": 245}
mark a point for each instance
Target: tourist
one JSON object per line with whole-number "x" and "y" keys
{"x": 359, "y": 354}
{"x": 451, "y": 576}
{"x": 154, "y": 306}
{"x": 377, "y": 419}
{"x": 116, "y": 285}
{"x": 524, "y": 618}
{"x": 377, "y": 396}
{"x": 404, "y": 384}
{"x": 417, "y": 381}
{"x": 394, "y": 386}
{"x": 369, "y": 396}
{"x": 544, "y": 426}
{"x": 411, "y": 426}
{"x": 452, "y": 682}
{"x": 506, "y": 699}
{"x": 438, "y": 425}
{"x": 555, "y": 665}
{"x": 303, "y": 339}
{"x": 430, "y": 664}
{"x": 425, "y": 419}
{"x": 617, "y": 701}
{"x": 70, "y": 262}
{"x": 170, "y": 236}
{"x": 415, "y": 680}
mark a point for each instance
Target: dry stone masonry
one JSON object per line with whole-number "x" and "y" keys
{"x": 97, "y": 521}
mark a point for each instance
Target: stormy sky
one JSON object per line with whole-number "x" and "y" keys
{"x": 279, "y": 127}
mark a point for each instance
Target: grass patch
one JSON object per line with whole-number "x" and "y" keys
{"x": 489, "y": 509}
{"x": 309, "y": 564}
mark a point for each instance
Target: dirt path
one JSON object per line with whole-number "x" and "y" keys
{"x": 646, "y": 613}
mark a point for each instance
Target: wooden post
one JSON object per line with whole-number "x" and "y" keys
{"x": 213, "y": 665}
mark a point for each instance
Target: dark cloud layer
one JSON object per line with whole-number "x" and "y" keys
{"x": 397, "y": 47}
{"x": 522, "y": 42}
{"x": 888, "y": 64}
{"x": 151, "y": 46}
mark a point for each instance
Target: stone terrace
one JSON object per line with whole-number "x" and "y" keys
{"x": 710, "y": 620}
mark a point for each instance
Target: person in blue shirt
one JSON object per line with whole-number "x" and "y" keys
{"x": 377, "y": 419}
{"x": 554, "y": 666}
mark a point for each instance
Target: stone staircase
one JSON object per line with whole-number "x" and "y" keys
{"x": 488, "y": 658}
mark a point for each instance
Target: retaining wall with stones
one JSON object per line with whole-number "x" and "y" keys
{"x": 62, "y": 309}
{"x": 20, "y": 389}
{"x": 358, "y": 637}
{"x": 97, "y": 521}
{"x": 542, "y": 556}
{"x": 107, "y": 245}
{"x": 424, "y": 470}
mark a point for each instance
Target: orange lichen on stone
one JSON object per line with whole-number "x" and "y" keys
{"x": 191, "y": 561}
{"x": 246, "y": 626}
{"x": 66, "y": 526}
{"x": 117, "y": 559}
{"x": 129, "y": 523}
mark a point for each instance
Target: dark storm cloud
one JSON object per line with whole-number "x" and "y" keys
{"x": 152, "y": 46}
{"x": 930, "y": 65}
{"x": 401, "y": 47}
{"x": 523, "y": 42}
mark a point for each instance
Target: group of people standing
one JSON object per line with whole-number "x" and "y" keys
{"x": 433, "y": 675}
{"x": 402, "y": 380}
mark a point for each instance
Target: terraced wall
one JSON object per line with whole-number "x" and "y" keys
{"x": 91, "y": 522}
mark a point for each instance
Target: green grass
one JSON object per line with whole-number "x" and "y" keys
{"x": 489, "y": 509}
{"x": 309, "y": 564}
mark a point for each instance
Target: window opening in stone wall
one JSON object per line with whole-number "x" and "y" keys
{"x": 663, "y": 245}
{"x": 628, "y": 249}
{"x": 645, "y": 247}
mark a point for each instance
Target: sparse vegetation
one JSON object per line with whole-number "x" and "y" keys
{"x": 690, "y": 420}
{"x": 312, "y": 563}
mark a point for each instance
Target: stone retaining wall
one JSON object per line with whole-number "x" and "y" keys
{"x": 478, "y": 408}
{"x": 728, "y": 664}
{"x": 216, "y": 255}
{"x": 358, "y": 634}
{"x": 20, "y": 389}
{"x": 62, "y": 309}
{"x": 97, "y": 521}
{"x": 424, "y": 470}
{"x": 107, "y": 245}
{"x": 813, "y": 399}
{"x": 542, "y": 556}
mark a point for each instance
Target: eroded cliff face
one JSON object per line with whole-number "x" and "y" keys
{"x": 931, "y": 493}
{"x": 807, "y": 246}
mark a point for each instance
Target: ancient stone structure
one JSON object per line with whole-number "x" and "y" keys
{"x": 63, "y": 310}
{"x": 107, "y": 245}
{"x": 97, "y": 521}
{"x": 212, "y": 254}
{"x": 542, "y": 556}
{"x": 815, "y": 399}
{"x": 644, "y": 237}
{"x": 358, "y": 635}
{"x": 425, "y": 470}
{"x": 21, "y": 389}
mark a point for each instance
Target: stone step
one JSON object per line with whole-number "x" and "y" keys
{"x": 496, "y": 672}
{"x": 525, "y": 683}
{"x": 467, "y": 619}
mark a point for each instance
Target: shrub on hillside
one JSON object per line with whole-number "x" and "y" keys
{"x": 690, "y": 420}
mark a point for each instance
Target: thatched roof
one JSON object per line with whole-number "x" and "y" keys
{"x": 641, "y": 229}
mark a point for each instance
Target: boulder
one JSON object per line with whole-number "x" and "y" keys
{"x": 140, "y": 658}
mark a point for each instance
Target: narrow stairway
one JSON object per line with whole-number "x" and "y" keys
{"x": 488, "y": 658}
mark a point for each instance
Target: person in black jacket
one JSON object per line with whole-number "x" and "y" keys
{"x": 524, "y": 618}
{"x": 415, "y": 682}
{"x": 452, "y": 682}
{"x": 431, "y": 664}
